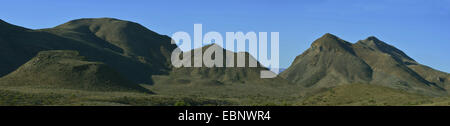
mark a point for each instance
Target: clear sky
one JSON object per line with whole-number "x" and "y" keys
{"x": 421, "y": 28}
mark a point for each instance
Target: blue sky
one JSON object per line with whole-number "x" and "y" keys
{"x": 421, "y": 28}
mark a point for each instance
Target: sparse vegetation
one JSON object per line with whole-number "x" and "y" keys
{"x": 365, "y": 94}
{"x": 191, "y": 95}
{"x": 103, "y": 61}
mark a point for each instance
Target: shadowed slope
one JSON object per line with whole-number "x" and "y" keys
{"x": 66, "y": 69}
{"x": 128, "y": 38}
{"x": 131, "y": 49}
{"x": 390, "y": 67}
{"x": 437, "y": 77}
{"x": 222, "y": 75}
{"x": 149, "y": 49}
{"x": 329, "y": 62}
{"x": 18, "y": 45}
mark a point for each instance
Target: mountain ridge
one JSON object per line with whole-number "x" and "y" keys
{"x": 26, "y": 43}
{"x": 327, "y": 61}
{"x": 222, "y": 74}
{"x": 67, "y": 69}
{"x": 386, "y": 65}
{"x": 139, "y": 54}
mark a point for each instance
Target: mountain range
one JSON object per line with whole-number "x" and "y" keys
{"x": 331, "y": 61}
{"x": 106, "y": 54}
